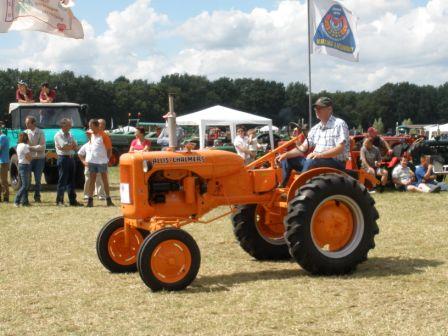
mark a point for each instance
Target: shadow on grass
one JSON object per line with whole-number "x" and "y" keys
{"x": 223, "y": 282}
{"x": 373, "y": 267}
{"x": 393, "y": 266}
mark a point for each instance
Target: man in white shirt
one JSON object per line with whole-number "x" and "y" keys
{"x": 241, "y": 144}
{"x": 66, "y": 147}
{"x": 37, "y": 147}
{"x": 329, "y": 138}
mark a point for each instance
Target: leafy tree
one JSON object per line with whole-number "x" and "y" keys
{"x": 407, "y": 122}
{"x": 378, "y": 124}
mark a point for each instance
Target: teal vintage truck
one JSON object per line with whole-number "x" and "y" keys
{"x": 47, "y": 117}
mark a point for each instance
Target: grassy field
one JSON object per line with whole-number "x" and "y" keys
{"x": 51, "y": 282}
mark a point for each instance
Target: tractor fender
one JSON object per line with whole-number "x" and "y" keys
{"x": 305, "y": 177}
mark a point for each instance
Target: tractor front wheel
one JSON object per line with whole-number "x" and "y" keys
{"x": 331, "y": 225}
{"x": 261, "y": 238}
{"x": 169, "y": 259}
{"x": 112, "y": 250}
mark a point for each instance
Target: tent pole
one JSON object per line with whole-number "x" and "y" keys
{"x": 310, "y": 103}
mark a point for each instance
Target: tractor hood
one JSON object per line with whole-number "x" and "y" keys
{"x": 205, "y": 163}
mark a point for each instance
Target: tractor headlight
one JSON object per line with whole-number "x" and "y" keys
{"x": 125, "y": 194}
{"x": 147, "y": 166}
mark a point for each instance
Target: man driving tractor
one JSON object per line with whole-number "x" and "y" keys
{"x": 329, "y": 138}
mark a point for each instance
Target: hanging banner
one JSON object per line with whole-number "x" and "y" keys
{"x": 333, "y": 30}
{"x": 49, "y": 16}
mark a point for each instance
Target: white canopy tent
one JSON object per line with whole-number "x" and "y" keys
{"x": 435, "y": 130}
{"x": 223, "y": 116}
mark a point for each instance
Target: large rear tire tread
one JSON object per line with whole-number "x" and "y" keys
{"x": 298, "y": 224}
{"x": 244, "y": 228}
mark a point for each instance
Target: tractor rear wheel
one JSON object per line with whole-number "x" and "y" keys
{"x": 169, "y": 259}
{"x": 261, "y": 240}
{"x": 111, "y": 248}
{"x": 331, "y": 225}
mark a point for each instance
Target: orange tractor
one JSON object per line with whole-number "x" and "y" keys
{"x": 324, "y": 219}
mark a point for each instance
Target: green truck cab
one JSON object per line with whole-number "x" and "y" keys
{"x": 47, "y": 117}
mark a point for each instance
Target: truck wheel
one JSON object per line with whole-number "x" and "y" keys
{"x": 51, "y": 175}
{"x": 261, "y": 241}
{"x": 80, "y": 177}
{"x": 169, "y": 259}
{"x": 111, "y": 249}
{"x": 114, "y": 158}
{"x": 14, "y": 172}
{"x": 331, "y": 225}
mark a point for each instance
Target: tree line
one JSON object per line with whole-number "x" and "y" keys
{"x": 391, "y": 103}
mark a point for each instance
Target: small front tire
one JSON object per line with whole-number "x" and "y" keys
{"x": 111, "y": 249}
{"x": 169, "y": 259}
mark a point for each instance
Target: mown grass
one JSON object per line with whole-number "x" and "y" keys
{"x": 51, "y": 282}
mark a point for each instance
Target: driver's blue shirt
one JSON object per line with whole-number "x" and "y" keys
{"x": 4, "y": 149}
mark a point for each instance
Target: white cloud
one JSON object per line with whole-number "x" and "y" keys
{"x": 399, "y": 42}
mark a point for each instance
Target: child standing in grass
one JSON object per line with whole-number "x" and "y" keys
{"x": 24, "y": 156}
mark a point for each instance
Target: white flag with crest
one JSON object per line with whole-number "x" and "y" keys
{"x": 333, "y": 30}
{"x": 49, "y": 16}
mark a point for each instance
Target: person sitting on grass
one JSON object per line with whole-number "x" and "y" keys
{"x": 24, "y": 157}
{"x": 403, "y": 178}
{"x": 140, "y": 144}
{"x": 379, "y": 142}
{"x": 371, "y": 160}
{"x": 424, "y": 173}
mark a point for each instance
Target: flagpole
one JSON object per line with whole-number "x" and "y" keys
{"x": 310, "y": 107}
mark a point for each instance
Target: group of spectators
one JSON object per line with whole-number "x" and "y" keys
{"x": 94, "y": 155}
{"x": 326, "y": 145}
{"x": 25, "y": 94}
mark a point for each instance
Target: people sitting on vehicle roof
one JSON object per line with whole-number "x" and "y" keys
{"x": 295, "y": 157}
{"x": 379, "y": 142}
{"x": 329, "y": 138}
{"x": 424, "y": 173}
{"x": 371, "y": 162}
{"x": 47, "y": 95}
{"x": 140, "y": 144}
{"x": 404, "y": 179}
{"x": 23, "y": 93}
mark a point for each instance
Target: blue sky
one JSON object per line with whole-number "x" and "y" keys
{"x": 250, "y": 38}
